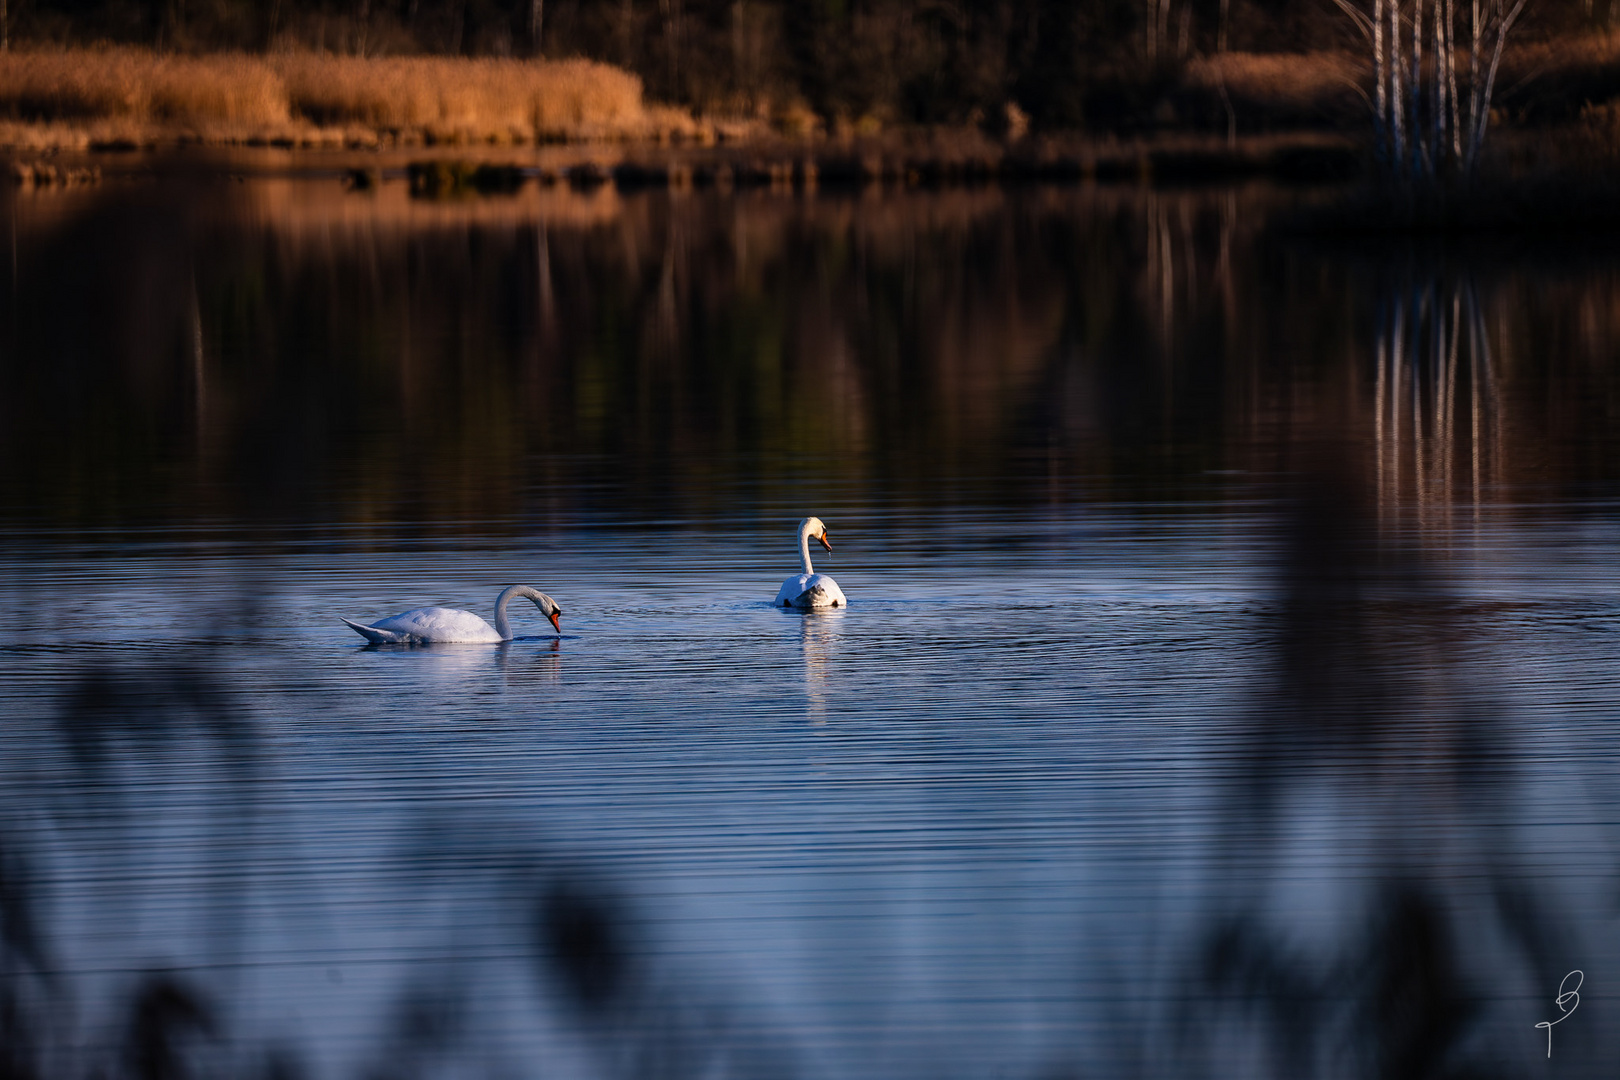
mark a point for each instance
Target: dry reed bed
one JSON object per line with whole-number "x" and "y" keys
{"x": 1541, "y": 83}
{"x": 232, "y": 97}
{"x": 1282, "y": 82}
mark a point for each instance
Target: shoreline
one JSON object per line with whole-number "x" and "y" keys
{"x": 902, "y": 159}
{"x": 93, "y": 102}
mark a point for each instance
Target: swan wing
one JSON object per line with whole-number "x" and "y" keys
{"x": 823, "y": 591}
{"x": 372, "y": 633}
{"x": 791, "y": 590}
{"x": 435, "y": 624}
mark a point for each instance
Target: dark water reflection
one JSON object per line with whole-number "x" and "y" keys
{"x": 1227, "y": 687}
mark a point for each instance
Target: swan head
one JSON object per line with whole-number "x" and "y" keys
{"x": 548, "y": 607}
{"x": 813, "y": 528}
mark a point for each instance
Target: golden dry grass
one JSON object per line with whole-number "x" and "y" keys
{"x": 1280, "y": 80}
{"x": 230, "y": 97}
{"x": 476, "y": 98}
{"x": 1593, "y": 50}
{"x": 137, "y": 85}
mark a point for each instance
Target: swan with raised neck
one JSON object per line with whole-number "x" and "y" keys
{"x": 809, "y": 589}
{"x": 451, "y": 625}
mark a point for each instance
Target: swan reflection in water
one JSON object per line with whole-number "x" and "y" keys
{"x": 525, "y": 659}
{"x": 818, "y": 637}
{"x": 452, "y": 668}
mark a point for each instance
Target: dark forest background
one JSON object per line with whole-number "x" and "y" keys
{"x": 895, "y": 61}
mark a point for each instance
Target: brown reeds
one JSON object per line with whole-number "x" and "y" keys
{"x": 477, "y": 99}
{"x": 1282, "y": 84}
{"x": 231, "y": 97}
{"x": 141, "y": 86}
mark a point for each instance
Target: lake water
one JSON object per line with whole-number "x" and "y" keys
{"x": 1227, "y": 686}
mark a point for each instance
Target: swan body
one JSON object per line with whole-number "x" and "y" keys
{"x": 447, "y": 625}
{"x": 810, "y": 589}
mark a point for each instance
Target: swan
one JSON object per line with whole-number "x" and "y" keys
{"x": 437, "y": 624}
{"x": 810, "y": 589}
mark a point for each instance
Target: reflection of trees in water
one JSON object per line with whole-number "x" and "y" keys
{"x": 1182, "y": 259}
{"x": 1371, "y": 913}
{"x": 449, "y": 362}
{"x": 1437, "y": 408}
{"x": 402, "y": 361}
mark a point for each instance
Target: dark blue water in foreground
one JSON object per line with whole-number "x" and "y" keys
{"x": 1227, "y": 688}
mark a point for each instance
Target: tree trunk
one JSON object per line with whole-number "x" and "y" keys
{"x": 1382, "y": 136}
{"x": 1415, "y": 101}
{"x": 1425, "y": 133}
{"x": 537, "y": 23}
{"x": 742, "y": 67}
{"x": 1477, "y": 40}
{"x": 1450, "y": 83}
{"x": 1397, "y": 95}
{"x": 671, "y": 11}
{"x": 1437, "y": 99}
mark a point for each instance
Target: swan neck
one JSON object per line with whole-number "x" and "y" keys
{"x": 804, "y": 548}
{"x": 503, "y": 625}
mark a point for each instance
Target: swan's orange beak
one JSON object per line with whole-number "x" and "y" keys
{"x": 823, "y": 539}
{"x": 555, "y": 625}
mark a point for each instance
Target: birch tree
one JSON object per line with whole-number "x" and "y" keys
{"x": 1429, "y": 118}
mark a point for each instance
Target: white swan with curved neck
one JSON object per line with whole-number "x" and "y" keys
{"x": 810, "y": 589}
{"x": 437, "y": 624}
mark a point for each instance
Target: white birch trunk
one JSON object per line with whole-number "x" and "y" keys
{"x": 1477, "y": 36}
{"x": 1424, "y": 131}
{"x": 1505, "y": 21}
{"x": 1451, "y": 82}
{"x": 1381, "y": 131}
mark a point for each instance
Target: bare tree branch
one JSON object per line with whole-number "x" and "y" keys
{"x": 1357, "y": 16}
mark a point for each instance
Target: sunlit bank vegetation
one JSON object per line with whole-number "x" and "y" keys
{"x": 1101, "y": 64}
{"x": 128, "y": 92}
{"x": 971, "y": 90}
